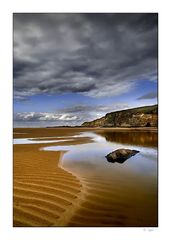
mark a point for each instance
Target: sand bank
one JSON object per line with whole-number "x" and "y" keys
{"x": 44, "y": 193}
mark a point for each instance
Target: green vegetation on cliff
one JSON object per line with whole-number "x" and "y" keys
{"x": 136, "y": 117}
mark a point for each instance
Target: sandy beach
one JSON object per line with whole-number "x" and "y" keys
{"x": 46, "y": 194}
{"x": 85, "y": 118}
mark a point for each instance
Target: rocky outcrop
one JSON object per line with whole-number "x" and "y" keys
{"x": 135, "y": 117}
{"x": 120, "y": 155}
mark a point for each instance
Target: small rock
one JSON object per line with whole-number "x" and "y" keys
{"x": 120, "y": 155}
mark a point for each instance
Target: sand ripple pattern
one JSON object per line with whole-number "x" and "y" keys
{"x": 44, "y": 194}
{"x": 47, "y": 195}
{"x": 107, "y": 205}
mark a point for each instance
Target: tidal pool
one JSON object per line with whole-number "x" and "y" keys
{"x": 113, "y": 194}
{"x": 89, "y": 159}
{"x": 121, "y": 194}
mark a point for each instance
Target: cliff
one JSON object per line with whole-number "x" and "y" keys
{"x": 136, "y": 117}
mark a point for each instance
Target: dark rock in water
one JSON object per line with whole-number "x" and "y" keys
{"x": 120, "y": 155}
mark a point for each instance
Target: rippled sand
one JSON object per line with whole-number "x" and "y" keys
{"x": 45, "y": 194}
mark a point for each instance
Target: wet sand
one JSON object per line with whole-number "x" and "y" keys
{"x": 46, "y": 194}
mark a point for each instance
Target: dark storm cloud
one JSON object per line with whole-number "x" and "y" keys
{"x": 149, "y": 95}
{"x": 96, "y": 55}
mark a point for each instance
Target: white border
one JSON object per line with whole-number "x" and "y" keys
{"x": 7, "y": 232}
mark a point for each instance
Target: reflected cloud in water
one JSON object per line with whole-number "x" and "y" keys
{"x": 89, "y": 159}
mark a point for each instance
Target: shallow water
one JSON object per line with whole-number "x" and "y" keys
{"x": 126, "y": 193}
{"x": 115, "y": 194}
{"x": 41, "y": 140}
{"x": 89, "y": 159}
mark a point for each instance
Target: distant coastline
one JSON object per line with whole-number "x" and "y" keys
{"x": 146, "y": 116}
{"x": 135, "y": 118}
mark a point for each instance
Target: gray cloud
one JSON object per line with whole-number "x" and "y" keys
{"x": 95, "y": 109}
{"x": 43, "y": 116}
{"x": 96, "y": 55}
{"x": 149, "y": 95}
{"x": 74, "y": 115}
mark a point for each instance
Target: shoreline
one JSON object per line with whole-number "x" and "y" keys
{"x": 67, "y": 216}
{"x": 68, "y": 192}
{"x": 87, "y": 206}
{"x": 70, "y": 127}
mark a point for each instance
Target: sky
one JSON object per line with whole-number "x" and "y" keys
{"x": 72, "y": 68}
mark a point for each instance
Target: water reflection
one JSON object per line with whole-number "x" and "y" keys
{"x": 34, "y": 141}
{"x": 119, "y": 160}
{"x": 128, "y": 189}
{"x": 146, "y": 139}
{"x": 89, "y": 159}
